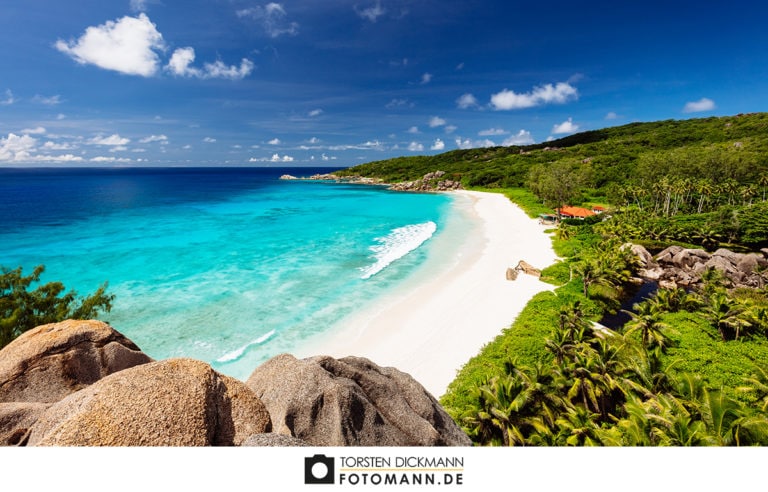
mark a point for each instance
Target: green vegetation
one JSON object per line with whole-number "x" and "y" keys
{"x": 688, "y": 368}
{"x": 22, "y": 309}
{"x": 698, "y": 181}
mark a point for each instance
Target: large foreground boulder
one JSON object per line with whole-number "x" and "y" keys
{"x": 49, "y": 362}
{"x": 175, "y": 402}
{"x": 16, "y": 419}
{"x": 351, "y": 402}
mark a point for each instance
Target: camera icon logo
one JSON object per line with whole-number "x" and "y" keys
{"x": 319, "y": 469}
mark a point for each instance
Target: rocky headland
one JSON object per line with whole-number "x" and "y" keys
{"x": 82, "y": 383}
{"x": 434, "y": 181}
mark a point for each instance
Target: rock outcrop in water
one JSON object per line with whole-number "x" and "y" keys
{"x": 434, "y": 181}
{"x": 81, "y": 383}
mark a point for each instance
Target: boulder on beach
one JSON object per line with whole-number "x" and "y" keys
{"x": 175, "y": 402}
{"x": 351, "y": 402}
{"x": 49, "y": 362}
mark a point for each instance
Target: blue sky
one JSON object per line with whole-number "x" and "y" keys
{"x": 336, "y": 82}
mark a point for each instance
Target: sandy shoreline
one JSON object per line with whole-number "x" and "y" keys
{"x": 433, "y": 328}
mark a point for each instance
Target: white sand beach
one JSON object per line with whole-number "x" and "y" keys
{"x": 432, "y": 329}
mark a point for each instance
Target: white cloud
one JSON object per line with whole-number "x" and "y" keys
{"x": 61, "y": 116}
{"x": 369, "y": 145}
{"x": 438, "y": 145}
{"x": 209, "y": 140}
{"x": 703, "y": 104}
{"x": 102, "y": 159}
{"x": 315, "y": 112}
{"x": 414, "y": 130}
{"x": 58, "y": 158}
{"x": 451, "y": 128}
{"x": 127, "y": 45}
{"x": 436, "y": 121}
{"x": 139, "y": 5}
{"x": 467, "y": 101}
{"x": 274, "y": 158}
{"x": 9, "y": 99}
{"x": 559, "y": 93}
{"x": 426, "y": 78}
{"x": 154, "y": 138}
{"x": 112, "y": 140}
{"x": 274, "y": 141}
{"x": 34, "y": 131}
{"x": 611, "y": 116}
{"x": 48, "y": 101}
{"x": 314, "y": 140}
{"x": 218, "y": 70}
{"x": 16, "y": 147}
{"x": 415, "y": 147}
{"x": 565, "y": 127}
{"x": 399, "y": 103}
{"x": 371, "y": 14}
{"x": 492, "y": 131}
{"x": 473, "y": 144}
{"x": 273, "y": 18}
{"x": 23, "y": 148}
{"x": 49, "y": 145}
{"x": 182, "y": 59}
{"x": 523, "y": 137}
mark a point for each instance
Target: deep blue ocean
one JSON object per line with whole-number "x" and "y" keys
{"x": 226, "y": 265}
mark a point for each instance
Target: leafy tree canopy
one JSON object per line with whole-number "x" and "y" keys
{"x": 22, "y": 307}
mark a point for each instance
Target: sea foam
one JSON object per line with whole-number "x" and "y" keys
{"x": 398, "y": 243}
{"x": 237, "y": 353}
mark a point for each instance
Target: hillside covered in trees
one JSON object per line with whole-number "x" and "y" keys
{"x": 697, "y": 181}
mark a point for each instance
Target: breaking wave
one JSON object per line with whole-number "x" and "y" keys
{"x": 398, "y": 243}
{"x": 237, "y": 353}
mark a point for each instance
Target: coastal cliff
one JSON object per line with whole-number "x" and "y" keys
{"x": 82, "y": 383}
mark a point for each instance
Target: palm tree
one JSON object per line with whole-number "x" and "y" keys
{"x": 763, "y": 182}
{"x": 725, "y": 314}
{"x": 647, "y": 319}
{"x": 634, "y": 429}
{"x": 757, "y": 383}
{"x": 564, "y": 232}
{"x": 673, "y": 425}
{"x": 577, "y": 427}
{"x": 705, "y": 188}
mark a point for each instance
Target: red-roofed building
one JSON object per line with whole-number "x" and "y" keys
{"x": 575, "y": 212}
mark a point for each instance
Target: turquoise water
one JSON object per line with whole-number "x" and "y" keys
{"x": 230, "y": 267}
